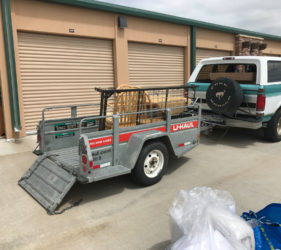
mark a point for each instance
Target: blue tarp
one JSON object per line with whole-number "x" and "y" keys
{"x": 268, "y": 230}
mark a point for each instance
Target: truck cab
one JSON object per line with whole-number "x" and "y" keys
{"x": 241, "y": 91}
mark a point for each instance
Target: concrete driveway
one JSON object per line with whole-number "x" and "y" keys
{"x": 117, "y": 214}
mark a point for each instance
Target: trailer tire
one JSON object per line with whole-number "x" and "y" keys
{"x": 273, "y": 130}
{"x": 151, "y": 164}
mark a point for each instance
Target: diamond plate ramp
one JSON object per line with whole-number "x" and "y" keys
{"x": 47, "y": 182}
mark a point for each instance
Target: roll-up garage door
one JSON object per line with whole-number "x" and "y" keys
{"x": 206, "y": 53}
{"x": 155, "y": 65}
{"x": 61, "y": 70}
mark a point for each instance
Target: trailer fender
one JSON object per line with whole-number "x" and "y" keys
{"x": 131, "y": 152}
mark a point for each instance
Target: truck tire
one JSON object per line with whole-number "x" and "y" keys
{"x": 273, "y": 130}
{"x": 224, "y": 96}
{"x": 151, "y": 164}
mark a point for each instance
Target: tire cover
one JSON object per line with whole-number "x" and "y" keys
{"x": 224, "y": 96}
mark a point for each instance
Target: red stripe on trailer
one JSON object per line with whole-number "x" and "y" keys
{"x": 99, "y": 142}
{"x": 184, "y": 126}
{"x": 181, "y": 145}
{"x": 105, "y": 141}
{"x": 127, "y": 136}
{"x": 97, "y": 166}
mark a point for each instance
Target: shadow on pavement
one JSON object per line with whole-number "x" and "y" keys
{"x": 234, "y": 137}
{"x": 109, "y": 187}
{"x": 165, "y": 245}
{"x": 175, "y": 163}
{"x": 98, "y": 190}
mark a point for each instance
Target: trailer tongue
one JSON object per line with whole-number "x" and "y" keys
{"x": 133, "y": 132}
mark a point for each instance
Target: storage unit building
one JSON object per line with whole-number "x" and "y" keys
{"x": 58, "y": 51}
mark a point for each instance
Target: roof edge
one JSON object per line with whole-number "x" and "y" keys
{"x": 108, "y": 7}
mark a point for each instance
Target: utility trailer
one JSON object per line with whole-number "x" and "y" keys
{"x": 134, "y": 131}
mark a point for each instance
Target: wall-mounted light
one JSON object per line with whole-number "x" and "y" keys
{"x": 71, "y": 30}
{"x": 160, "y": 40}
{"x": 122, "y": 22}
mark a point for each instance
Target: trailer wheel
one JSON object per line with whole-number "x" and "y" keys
{"x": 151, "y": 164}
{"x": 273, "y": 130}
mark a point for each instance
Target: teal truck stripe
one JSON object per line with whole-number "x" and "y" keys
{"x": 270, "y": 90}
{"x": 204, "y": 86}
{"x": 273, "y": 90}
{"x": 200, "y": 86}
{"x": 267, "y": 118}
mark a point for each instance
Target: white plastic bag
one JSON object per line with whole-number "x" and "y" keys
{"x": 203, "y": 218}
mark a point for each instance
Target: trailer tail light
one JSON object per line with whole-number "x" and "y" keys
{"x": 185, "y": 93}
{"x": 261, "y": 102}
{"x": 84, "y": 159}
{"x": 39, "y": 140}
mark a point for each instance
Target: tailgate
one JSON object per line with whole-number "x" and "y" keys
{"x": 47, "y": 182}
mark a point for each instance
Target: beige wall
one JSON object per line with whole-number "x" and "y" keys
{"x": 273, "y": 47}
{"x": 209, "y": 39}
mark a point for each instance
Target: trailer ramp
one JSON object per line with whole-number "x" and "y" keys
{"x": 47, "y": 182}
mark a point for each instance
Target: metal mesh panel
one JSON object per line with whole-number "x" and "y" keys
{"x": 141, "y": 106}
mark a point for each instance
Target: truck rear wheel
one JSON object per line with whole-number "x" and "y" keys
{"x": 273, "y": 130}
{"x": 151, "y": 164}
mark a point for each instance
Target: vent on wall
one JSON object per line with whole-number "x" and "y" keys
{"x": 122, "y": 22}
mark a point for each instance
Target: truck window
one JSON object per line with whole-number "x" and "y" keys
{"x": 242, "y": 73}
{"x": 274, "y": 71}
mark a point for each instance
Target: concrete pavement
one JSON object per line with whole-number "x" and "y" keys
{"x": 117, "y": 214}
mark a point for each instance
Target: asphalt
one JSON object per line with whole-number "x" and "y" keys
{"x": 117, "y": 214}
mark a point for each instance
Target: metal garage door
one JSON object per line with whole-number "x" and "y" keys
{"x": 206, "y": 53}
{"x": 61, "y": 70}
{"x": 155, "y": 65}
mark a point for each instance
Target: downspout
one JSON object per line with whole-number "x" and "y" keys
{"x": 192, "y": 48}
{"x": 11, "y": 65}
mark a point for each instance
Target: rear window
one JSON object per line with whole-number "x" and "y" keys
{"x": 242, "y": 73}
{"x": 274, "y": 71}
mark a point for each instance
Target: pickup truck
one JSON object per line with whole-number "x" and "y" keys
{"x": 132, "y": 130}
{"x": 240, "y": 91}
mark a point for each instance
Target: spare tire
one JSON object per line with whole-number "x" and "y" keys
{"x": 224, "y": 96}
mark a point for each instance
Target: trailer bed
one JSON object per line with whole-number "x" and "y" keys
{"x": 68, "y": 157}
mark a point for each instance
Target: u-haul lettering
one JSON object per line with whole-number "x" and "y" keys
{"x": 184, "y": 126}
